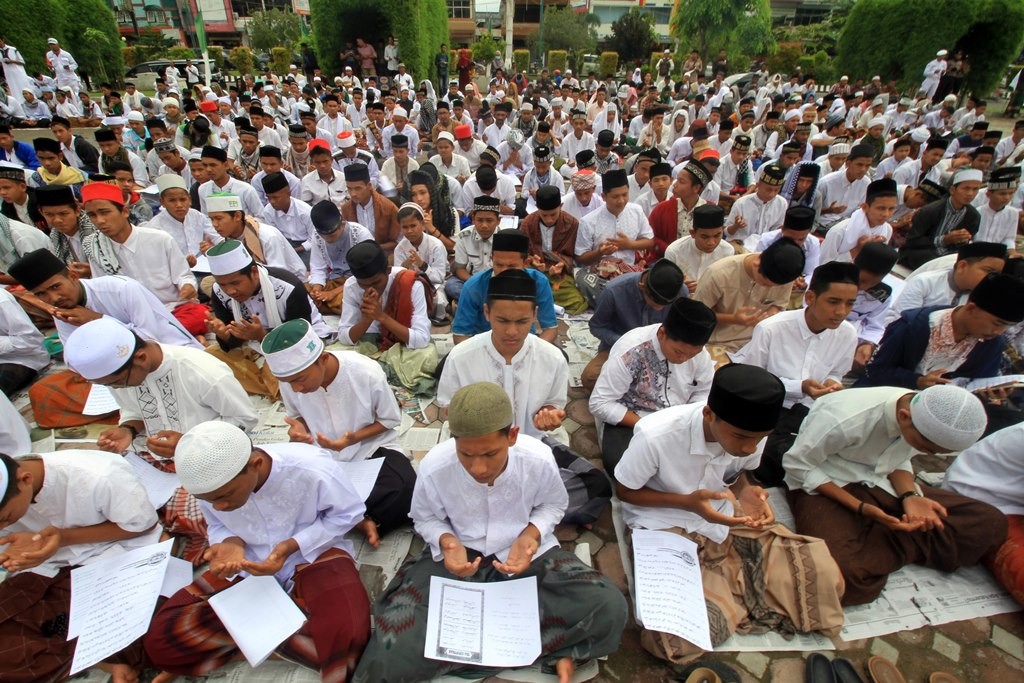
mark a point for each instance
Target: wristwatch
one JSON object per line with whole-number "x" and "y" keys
{"x": 909, "y": 494}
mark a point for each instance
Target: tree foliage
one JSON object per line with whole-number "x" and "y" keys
{"x": 876, "y": 39}
{"x": 633, "y": 35}
{"x": 26, "y": 26}
{"x": 484, "y": 47}
{"x": 243, "y": 60}
{"x": 741, "y": 27}
{"x": 151, "y": 44}
{"x": 566, "y": 30}
{"x": 273, "y": 28}
{"x": 419, "y": 25}
{"x": 91, "y": 35}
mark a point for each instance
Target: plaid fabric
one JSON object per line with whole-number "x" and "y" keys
{"x": 582, "y": 614}
{"x": 58, "y": 399}
{"x": 1008, "y": 563}
{"x": 34, "y": 627}
{"x": 182, "y": 517}
{"x": 186, "y": 636}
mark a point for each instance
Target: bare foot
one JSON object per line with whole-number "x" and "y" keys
{"x": 164, "y": 677}
{"x": 564, "y": 668}
{"x": 121, "y": 673}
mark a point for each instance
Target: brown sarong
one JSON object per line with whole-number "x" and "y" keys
{"x": 250, "y": 369}
{"x": 759, "y": 580}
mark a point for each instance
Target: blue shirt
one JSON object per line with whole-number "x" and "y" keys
{"x": 469, "y": 316}
{"x": 621, "y": 307}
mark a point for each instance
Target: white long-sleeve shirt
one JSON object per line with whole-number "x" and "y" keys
{"x": 431, "y": 250}
{"x": 152, "y": 257}
{"x": 786, "y": 347}
{"x": 761, "y": 217}
{"x": 20, "y": 341}
{"x": 188, "y": 234}
{"x": 991, "y": 472}
{"x": 295, "y": 223}
{"x": 600, "y": 225}
{"x": 358, "y": 397}
{"x": 419, "y": 328}
{"x": 691, "y": 260}
{"x": 489, "y": 518}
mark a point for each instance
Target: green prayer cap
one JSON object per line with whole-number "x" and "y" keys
{"x": 478, "y": 409}
{"x": 291, "y": 347}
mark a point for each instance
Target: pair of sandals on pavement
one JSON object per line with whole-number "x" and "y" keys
{"x": 820, "y": 669}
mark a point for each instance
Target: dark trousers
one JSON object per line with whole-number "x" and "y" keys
{"x": 613, "y": 444}
{"x": 391, "y": 498}
{"x": 14, "y": 377}
{"x": 770, "y": 472}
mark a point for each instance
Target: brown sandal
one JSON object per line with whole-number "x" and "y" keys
{"x": 881, "y": 670}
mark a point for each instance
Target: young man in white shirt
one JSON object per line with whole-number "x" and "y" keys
{"x": 162, "y": 391}
{"x": 342, "y": 402}
{"x": 651, "y": 368}
{"x": 686, "y": 472}
{"x": 869, "y": 223}
{"x": 185, "y": 225}
{"x": 760, "y": 211}
{"x": 696, "y": 252}
{"x": 278, "y": 510}
{"x": 999, "y": 220}
{"x": 841, "y": 193}
{"x": 265, "y": 242}
{"x": 288, "y": 214}
{"x": 810, "y": 350}
{"x": 486, "y": 503}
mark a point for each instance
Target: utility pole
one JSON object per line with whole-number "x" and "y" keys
{"x": 510, "y": 7}
{"x": 540, "y": 35}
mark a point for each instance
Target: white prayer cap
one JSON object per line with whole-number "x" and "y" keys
{"x": 557, "y": 102}
{"x": 51, "y": 41}
{"x": 135, "y": 116}
{"x": 445, "y": 135}
{"x": 99, "y": 348}
{"x": 949, "y": 416}
{"x": 210, "y": 455}
{"x": 303, "y": 108}
{"x": 399, "y": 111}
{"x": 210, "y": 96}
{"x": 845, "y": 78}
{"x": 109, "y": 121}
{"x": 876, "y": 78}
{"x": 293, "y": 66}
{"x": 291, "y": 347}
{"x": 169, "y": 181}
{"x": 792, "y": 114}
{"x": 228, "y": 257}
{"x": 170, "y": 102}
{"x": 317, "y": 79}
{"x": 877, "y": 121}
{"x": 224, "y": 100}
{"x": 65, "y": 89}
{"x": 964, "y": 175}
{"x": 859, "y": 93}
{"x": 880, "y": 101}
{"x": 838, "y": 148}
{"x": 269, "y": 88}
{"x": 526, "y": 107}
{"x": 337, "y": 79}
{"x": 942, "y": 53}
{"x": 196, "y": 155}
{"x": 623, "y": 91}
{"x": 920, "y": 134}
{"x": 223, "y": 201}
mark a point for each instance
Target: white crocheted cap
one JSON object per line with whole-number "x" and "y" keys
{"x": 210, "y": 455}
{"x": 291, "y": 347}
{"x": 948, "y": 416}
{"x": 99, "y": 348}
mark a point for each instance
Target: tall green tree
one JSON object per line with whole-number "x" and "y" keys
{"x": 273, "y": 28}
{"x": 633, "y": 35}
{"x": 567, "y": 30}
{"x": 741, "y": 27}
{"x": 27, "y": 25}
{"x": 875, "y": 39}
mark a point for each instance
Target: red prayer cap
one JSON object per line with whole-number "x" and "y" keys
{"x": 207, "y": 106}
{"x": 319, "y": 142}
{"x": 463, "y": 132}
{"x": 112, "y": 193}
{"x": 709, "y": 154}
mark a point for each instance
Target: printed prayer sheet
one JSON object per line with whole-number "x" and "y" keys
{"x": 159, "y": 485}
{"x": 100, "y": 401}
{"x": 112, "y": 602}
{"x": 669, "y": 590}
{"x": 179, "y": 575}
{"x": 363, "y": 475}
{"x": 259, "y": 615}
{"x": 487, "y": 624}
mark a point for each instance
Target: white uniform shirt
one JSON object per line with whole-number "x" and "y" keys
{"x": 295, "y": 223}
{"x": 294, "y": 185}
{"x": 761, "y": 217}
{"x": 489, "y": 518}
{"x": 571, "y": 146}
{"x": 601, "y": 225}
{"x": 189, "y": 234}
{"x": 459, "y": 167}
{"x": 315, "y": 190}
{"x": 835, "y": 188}
{"x": 910, "y": 174}
{"x": 431, "y": 250}
{"x": 931, "y": 288}
{"x": 279, "y": 253}
{"x": 251, "y": 203}
{"x": 992, "y": 471}
{"x": 152, "y": 257}
{"x": 572, "y": 205}
{"x": 691, "y": 260}
{"x": 811, "y": 248}
{"x": 306, "y": 497}
{"x": 358, "y": 397}
{"x": 20, "y": 341}
{"x": 638, "y": 377}
{"x": 998, "y": 226}
{"x": 471, "y": 251}
{"x": 419, "y": 328}
{"x": 505, "y": 191}
{"x": 786, "y": 347}
{"x": 83, "y": 488}
{"x": 188, "y": 387}
{"x": 327, "y": 259}
{"x": 849, "y": 437}
{"x": 538, "y": 376}
{"x": 25, "y": 238}
{"x": 668, "y": 453}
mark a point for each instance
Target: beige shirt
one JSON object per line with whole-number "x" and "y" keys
{"x": 726, "y": 288}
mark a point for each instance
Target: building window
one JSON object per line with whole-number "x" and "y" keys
{"x": 155, "y": 17}
{"x": 460, "y": 9}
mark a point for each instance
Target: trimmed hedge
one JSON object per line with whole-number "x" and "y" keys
{"x": 419, "y": 25}
{"x": 607, "y": 63}
{"x": 557, "y": 59}
{"x": 280, "y": 60}
{"x": 521, "y": 60}
{"x": 243, "y": 59}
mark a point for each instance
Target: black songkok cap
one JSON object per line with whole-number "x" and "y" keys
{"x": 661, "y": 169}
{"x": 270, "y": 151}
{"x": 799, "y": 218}
{"x": 606, "y": 138}
{"x": 366, "y": 259}
{"x": 664, "y": 282}
{"x": 783, "y": 261}
{"x": 876, "y": 258}
{"x": 515, "y": 285}
{"x": 586, "y": 158}
{"x": 399, "y": 141}
{"x": 699, "y": 172}
{"x": 1000, "y": 295}
{"x": 690, "y": 322}
{"x": 835, "y": 271}
{"x": 548, "y": 198}
{"x": 325, "y": 217}
{"x": 613, "y": 179}
{"x": 55, "y": 195}
{"x": 486, "y": 203}
{"x": 883, "y": 187}
{"x": 35, "y": 268}
{"x": 211, "y": 152}
{"x": 46, "y": 145}
{"x": 105, "y": 135}
{"x": 272, "y": 182}
{"x": 773, "y": 174}
{"x": 511, "y": 239}
{"x": 707, "y": 216}
{"x": 747, "y": 397}
{"x": 355, "y": 173}
{"x": 932, "y": 189}
{"x": 981, "y": 250}
{"x": 486, "y": 178}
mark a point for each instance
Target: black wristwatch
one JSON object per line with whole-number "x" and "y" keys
{"x": 909, "y": 494}
{"x": 133, "y": 430}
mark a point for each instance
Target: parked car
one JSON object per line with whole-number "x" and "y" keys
{"x": 144, "y": 74}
